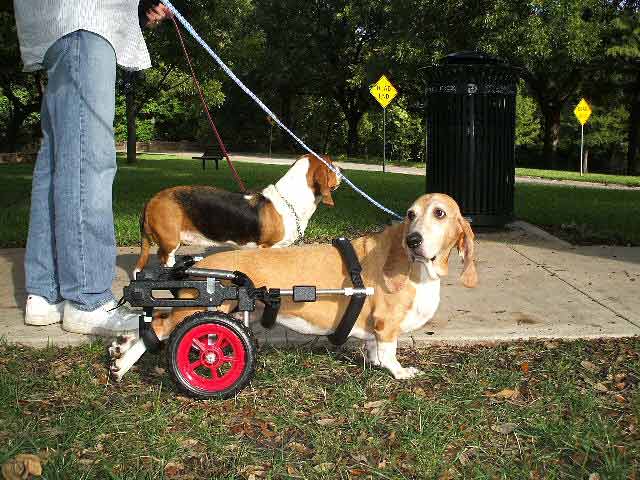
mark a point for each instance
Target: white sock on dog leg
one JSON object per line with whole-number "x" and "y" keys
{"x": 128, "y": 359}
{"x": 388, "y": 360}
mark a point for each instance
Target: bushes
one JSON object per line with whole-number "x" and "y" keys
{"x": 405, "y": 133}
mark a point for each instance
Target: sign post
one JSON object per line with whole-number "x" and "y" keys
{"x": 582, "y": 113}
{"x": 384, "y": 92}
{"x": 270, "y": 122}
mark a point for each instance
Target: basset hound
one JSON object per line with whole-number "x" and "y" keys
{"x": 403, "y": 264}
{"x": 206, "y": 216}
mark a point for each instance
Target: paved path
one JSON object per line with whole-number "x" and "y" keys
{"x": 247, "y": 158}
{"x": 531, "y": 286}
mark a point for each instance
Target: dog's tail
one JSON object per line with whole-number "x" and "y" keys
{"x": 145, "y": 243}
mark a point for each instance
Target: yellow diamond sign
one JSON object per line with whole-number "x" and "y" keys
{"x": 383, "y": 91}
{"x": 582, "y": 111}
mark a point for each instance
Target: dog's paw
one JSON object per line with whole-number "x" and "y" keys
{"x": 114, "y": 371}
{"x": 120, "y": 345}
{"x": 407, "y": 373}
{"x": 373, "y": 362}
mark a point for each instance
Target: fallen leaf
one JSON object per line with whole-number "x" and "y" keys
{"x": 300, "y": 448}
{"x": 504, "y": 428}
{"x": 619, "y": 399}
{"x": 419, "y": 392}
{"x": 620, "y": 377}
{"x": 449, "y": 474}
{"x": 292, "y": 471}
{"x": 323, "y": 467}
{"x": 254, "y": 471}
{"x": 468, "y": 455}
{"x": 189, "y": 443}
{"x": 600, "y": 387}
{"x": 172, "y": 469}
{"x": 22, "y": 467}
{"x": 551, "y": 345}
{"x": 265, "y": 428}
{"x": 326, "y": 421}
{"x": 589, "y": 366}
{"x": 505, "y": 393}
{"x": 525, "y": 367}
{"x": 376, "y": 404}
{"x": 148, "y": 460}
{"x": 360, "y": 458}
{"x": 158, "y": 371}
{"x": 356, "y": 472}
{"x": 147, "y": 406}
{"x": 594, "y": 476}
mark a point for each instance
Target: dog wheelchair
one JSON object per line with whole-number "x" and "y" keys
{"x": 212, "y": 354}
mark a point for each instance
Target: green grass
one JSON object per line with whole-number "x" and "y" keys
{"x": 580, "y": 214}
{"x": 631, "y": 181}
{"x": 573, "y": 410}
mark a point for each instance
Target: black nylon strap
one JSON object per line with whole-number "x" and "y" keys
{"x": 340, "y": 335}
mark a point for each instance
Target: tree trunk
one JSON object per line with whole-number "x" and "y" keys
{"x": 551, "y": 112}
{"x": 16, "y": 120}
{"x": 11, "y": 139}
{"x": 327, "y": 138}
{"x": 130, "y": 89}
{"x": 633, "y": 149}
{"x": 353, "y": 119}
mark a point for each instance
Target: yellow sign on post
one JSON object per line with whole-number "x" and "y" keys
{"x": 582, "y": 111}
{"x": 383, "y": 91}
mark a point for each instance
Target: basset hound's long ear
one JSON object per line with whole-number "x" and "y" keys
{"x": 323, "y": 177}
{"x": 469, "y": 276}
{"x": 397, "y": 267}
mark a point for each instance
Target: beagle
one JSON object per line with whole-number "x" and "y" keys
{"x": 205, "y": 216}
{"x": 403, "y": 264}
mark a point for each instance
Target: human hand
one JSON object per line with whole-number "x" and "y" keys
{"x": 156, "y": 15}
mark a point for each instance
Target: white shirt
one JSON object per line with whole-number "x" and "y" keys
{"x": 41, "y": 22}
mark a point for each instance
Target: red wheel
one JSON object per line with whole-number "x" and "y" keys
{"x": 211, "y": 355}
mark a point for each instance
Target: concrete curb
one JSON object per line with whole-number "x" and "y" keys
{"x": 538, "y": 232}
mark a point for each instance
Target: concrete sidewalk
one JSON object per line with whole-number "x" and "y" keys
{"x": 531, "y": 286}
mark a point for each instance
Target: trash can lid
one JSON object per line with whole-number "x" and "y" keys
{"x": 470, "y": 57}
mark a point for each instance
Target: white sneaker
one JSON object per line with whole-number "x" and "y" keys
{"x": 40, "y": 312}
{"x": 102, "y": 321}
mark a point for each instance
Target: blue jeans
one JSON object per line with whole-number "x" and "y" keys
{"x": 71, "y": 243}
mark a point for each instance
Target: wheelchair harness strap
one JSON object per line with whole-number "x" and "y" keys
{"x": 271, "y": 298}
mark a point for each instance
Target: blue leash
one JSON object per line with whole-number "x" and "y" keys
{"x": 266, "y": 109}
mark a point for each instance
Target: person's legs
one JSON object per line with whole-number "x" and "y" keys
{"x": 81, "y": 101}
{"x": 71, "y": 247}
{"x": 44, "y": 301}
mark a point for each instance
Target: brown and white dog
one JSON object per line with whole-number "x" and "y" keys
{"x": 403, "y": 264}
{"x": 206, "y": 216}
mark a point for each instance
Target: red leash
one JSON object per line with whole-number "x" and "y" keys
{"x": 206, "y": 109}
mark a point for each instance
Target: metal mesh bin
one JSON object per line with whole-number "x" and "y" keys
{"x": 471, "y": 100}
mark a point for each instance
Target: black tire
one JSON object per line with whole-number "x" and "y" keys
{"x": 237, "y": 337}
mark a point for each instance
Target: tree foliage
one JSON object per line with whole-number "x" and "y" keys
{"x": 313, "y": 62}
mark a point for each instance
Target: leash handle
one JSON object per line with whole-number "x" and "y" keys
{"x": 243, "y": 188}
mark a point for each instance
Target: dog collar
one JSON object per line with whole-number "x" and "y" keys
{"x": 295, "y": 215}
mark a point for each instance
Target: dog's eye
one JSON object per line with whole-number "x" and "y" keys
{"x": 411, "y": 215}
{"x": 439, "y": 213}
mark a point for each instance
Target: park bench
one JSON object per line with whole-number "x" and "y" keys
{"x": 211, "y": 152}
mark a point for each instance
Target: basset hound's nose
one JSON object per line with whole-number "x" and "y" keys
{"x": 414, "y": 240}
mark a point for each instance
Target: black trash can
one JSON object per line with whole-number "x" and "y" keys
{"x": 471, "y": 111}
